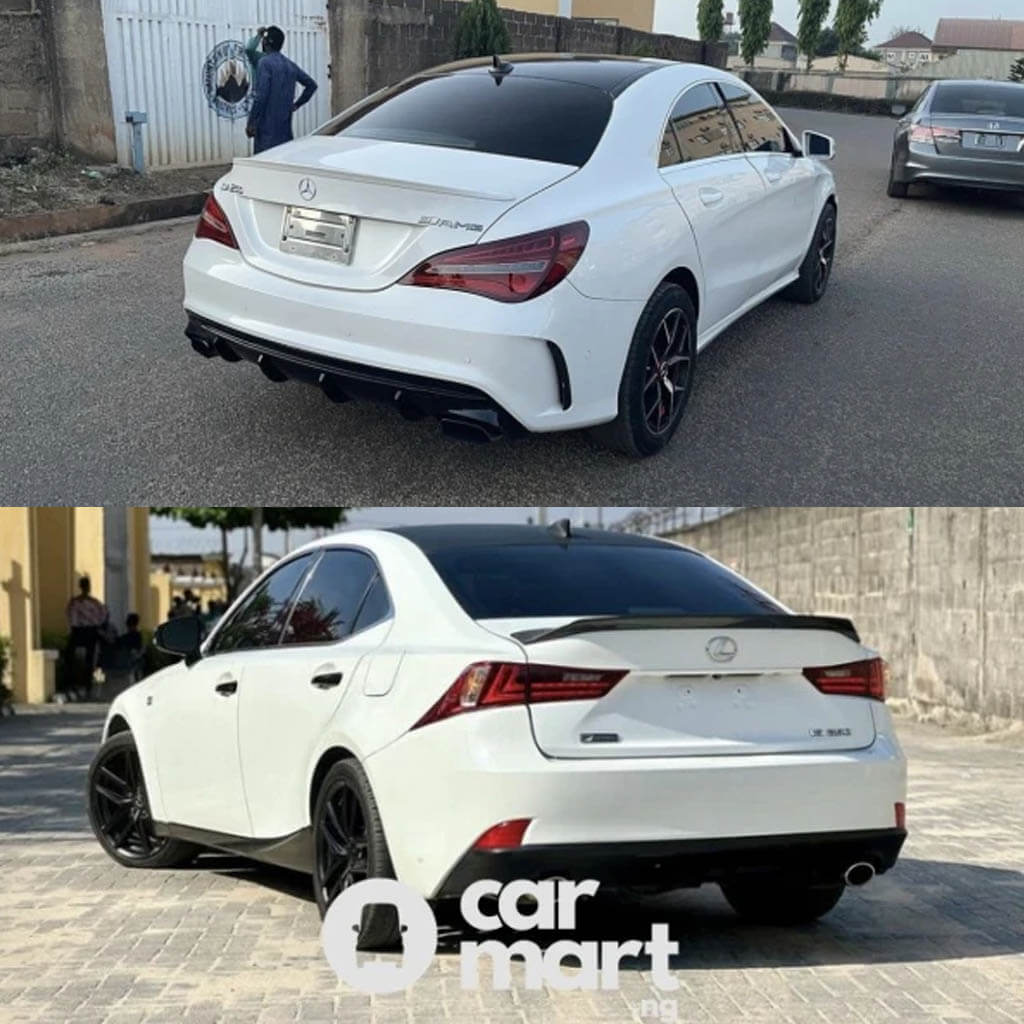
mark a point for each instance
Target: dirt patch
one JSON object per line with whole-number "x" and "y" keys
{"x": 47, "y": 181}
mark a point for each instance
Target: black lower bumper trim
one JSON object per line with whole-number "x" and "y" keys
{"x": 822, "y": 856}
{"x": 341, "y": 380}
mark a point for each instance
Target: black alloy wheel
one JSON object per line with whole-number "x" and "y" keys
{"x": 667, "y": 373}
{"x": 119, "y": 809}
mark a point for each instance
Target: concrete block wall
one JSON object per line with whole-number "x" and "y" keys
{"x": 375, "y": 43}
{"x": 26, "y": 111}
{"x": 938, "y": 591}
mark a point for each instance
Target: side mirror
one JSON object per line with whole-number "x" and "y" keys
{"x": 821, "y": 147}
{"x": 898, "y": 109}
{"x": 181, "y": 637}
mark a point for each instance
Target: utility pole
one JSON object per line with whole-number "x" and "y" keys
{"x": 257, "y": 540}
{"x": 600, "y": 518}
{"x": 542, "y": 515}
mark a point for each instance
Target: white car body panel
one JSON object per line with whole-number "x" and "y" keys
{"x": 706, "y": 751}
{"x": 645, "y": 225}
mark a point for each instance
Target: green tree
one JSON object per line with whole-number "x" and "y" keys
{"x": 851, "y": 23}
{"x": 710, "y": 21}
{"x": 828, "y": 42}
{"x": 233, "y": 517}
{"x": 481, "y": 31}
{"x": 755, "y": 27}
{"x": 1017, "y": 70}
{"x": 808, "y": 33}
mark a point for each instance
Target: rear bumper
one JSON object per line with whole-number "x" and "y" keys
{"x": 922, "y": 163}
{"x": 550, "y": 364}
{"x": 817, "y": 857}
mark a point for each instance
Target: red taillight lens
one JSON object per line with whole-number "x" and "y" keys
{"x": 859, "y": 679}
{"x": 933, "y": 133}
{"x": 940, "y": 134}
{"x": 901, "y": 815}
{"x": 921, "y": 133}
{"x": 213, "y": 224}
{"x": 503, "y": 836}
{"x": 513, "y": 270}
{"x": 495, "y": 684}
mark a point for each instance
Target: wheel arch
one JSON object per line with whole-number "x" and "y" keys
{"x": 327, "y": 760}
{"x": 687, "y": 280}
{"x": 117, "y": 724}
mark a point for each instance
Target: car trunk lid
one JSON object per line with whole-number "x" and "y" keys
{"x": 700, "y": 687}
{"x": 978, "y": 135}
{"x": 408, "y": 202}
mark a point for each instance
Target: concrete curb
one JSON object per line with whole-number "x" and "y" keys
{"x": 33, "y": 226}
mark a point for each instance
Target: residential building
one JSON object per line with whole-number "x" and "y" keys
{"x": 957, "y": 35}
{"x": 907, "y": 50}
{"x": 44, "y": 551}
{"x": 780, "y": 54}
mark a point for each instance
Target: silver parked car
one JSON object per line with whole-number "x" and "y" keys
{"x": 961, "y": 133}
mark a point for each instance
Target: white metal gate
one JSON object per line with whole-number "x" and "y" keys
{"x": 163, "y": 55}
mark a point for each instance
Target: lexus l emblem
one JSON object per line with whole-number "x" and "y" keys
{"x": 721, "y": 648}
{"x": 307, "y": 189}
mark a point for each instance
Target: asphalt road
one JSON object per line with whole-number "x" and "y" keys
{"x": 904, "y": 385}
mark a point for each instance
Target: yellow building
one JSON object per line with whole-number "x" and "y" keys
{"x": 629, "y": 13}
{"x": 44, "y": 550}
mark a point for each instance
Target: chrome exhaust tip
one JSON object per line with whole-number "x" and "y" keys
{"x": 859, "y": 874}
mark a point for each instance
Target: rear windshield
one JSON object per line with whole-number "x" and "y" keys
{"x": 577, "y": 580}
{"x": 984, "y": 100}
{"x": 538, "y": 119}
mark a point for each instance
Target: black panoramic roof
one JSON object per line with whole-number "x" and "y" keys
{"x": 611, "y": 74}
{"x": 431, "y": 539}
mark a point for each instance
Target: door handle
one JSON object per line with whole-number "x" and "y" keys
{"x": 711, "y": 196}
{"x": 773, "y": 177}
{"x": 227, "y": 688}
{"x": 327, "y": 680}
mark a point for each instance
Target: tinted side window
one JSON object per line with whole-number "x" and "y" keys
{"x": 326, "y": 609}
{"x": 701, "y": 126}
{"x": 539, "y": 119}
{"x": 376, "y": 606}
{"x": 759, "y": 128}
{"x": 259, "y": 621}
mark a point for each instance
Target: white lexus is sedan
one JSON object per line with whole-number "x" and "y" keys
{"x": 537, "y": 244}
{"x": 448, "y": 704}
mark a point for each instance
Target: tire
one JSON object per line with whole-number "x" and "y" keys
{"x": 896, "y": 189}
{"x": 770, "y": 901}
{"x": 658, "y": 379}
{"x": 346, "y": 815}
{"x": 119, "y": 810}
{"x": 816, "y": 269}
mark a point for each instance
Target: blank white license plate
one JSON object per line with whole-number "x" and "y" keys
{"x": 318, "y": 234}
{"x": 989, "y": 141}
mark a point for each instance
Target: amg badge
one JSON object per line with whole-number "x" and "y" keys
{"x": 455, "y": 225}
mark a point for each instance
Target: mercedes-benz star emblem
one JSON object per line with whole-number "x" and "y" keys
{"x": 307, "y": 189}
{"x": 721, "y": 648}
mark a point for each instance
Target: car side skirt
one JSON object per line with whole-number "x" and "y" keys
{"x": 294, "y": 851}
{"x": 676, "y": 864}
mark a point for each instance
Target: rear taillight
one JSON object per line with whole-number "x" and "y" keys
{"x": 933, "y": 133}
{"x": 513, "y": 270}
{"x": 503, "y": 836}
{"x": 858, "y": 679}
{"x": 214, "y": 225}
{"x": 901, "y": 815}
{"x": 495, "y": 684}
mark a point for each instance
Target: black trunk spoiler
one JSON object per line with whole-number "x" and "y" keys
{"x": 725, "y": 622}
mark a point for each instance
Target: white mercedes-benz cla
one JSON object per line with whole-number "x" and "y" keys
{"x": 449, "y": 704}
{"x": 538, "y": 244}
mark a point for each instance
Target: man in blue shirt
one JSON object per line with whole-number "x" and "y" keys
{"x": 274, "y": 102}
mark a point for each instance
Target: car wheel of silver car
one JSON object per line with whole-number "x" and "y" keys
{"x": 119, "y": 810}
{"x": 349, "y": 847}
{"x": 816, "y": 269}
{"x": 658, "y": 379}
{"x": 769, "y": 901}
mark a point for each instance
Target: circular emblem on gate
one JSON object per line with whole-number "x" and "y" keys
{"x": 227, "y": 80}
{"x": 307, "y": 189}
{"x": 721, "y": 648}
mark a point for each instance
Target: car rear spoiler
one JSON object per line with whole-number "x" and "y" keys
{"x": 729, "y": 622}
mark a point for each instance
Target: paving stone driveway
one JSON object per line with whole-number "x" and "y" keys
{"x": 941, "y": 938}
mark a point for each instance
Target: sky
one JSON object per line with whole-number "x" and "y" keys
{"x": 680, "y": 16}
